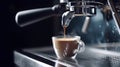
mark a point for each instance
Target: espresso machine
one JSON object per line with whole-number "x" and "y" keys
{"x": 96, "y": 21}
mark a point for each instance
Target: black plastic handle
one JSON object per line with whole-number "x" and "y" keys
{"x": 27, "y": 17}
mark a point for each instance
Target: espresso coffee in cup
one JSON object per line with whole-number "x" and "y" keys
{"x": 67, "y": 47}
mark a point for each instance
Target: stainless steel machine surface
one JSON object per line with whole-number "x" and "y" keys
{"x": 103, "y": 55}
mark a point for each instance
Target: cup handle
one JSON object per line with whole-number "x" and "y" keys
{"x": 81, "y": 46}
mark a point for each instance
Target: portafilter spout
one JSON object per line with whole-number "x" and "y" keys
{"x": 66, "y": 18}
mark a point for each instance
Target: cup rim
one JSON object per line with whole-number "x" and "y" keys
{"x": 68, "y": 36}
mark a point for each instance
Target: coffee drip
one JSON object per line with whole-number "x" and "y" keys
{"x": 64, "y": 28}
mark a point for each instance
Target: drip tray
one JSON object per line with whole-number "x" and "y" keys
{"x": 102, "y": 55}
{"x": 108, "y": 52}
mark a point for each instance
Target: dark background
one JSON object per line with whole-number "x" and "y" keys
{"x": 13, "y": 37}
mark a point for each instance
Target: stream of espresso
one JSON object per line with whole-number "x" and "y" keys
{"x": 64, "y": 28}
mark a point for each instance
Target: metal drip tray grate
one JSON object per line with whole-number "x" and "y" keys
{"x": 103, "y": 55}
{"x": 109, "y": 53}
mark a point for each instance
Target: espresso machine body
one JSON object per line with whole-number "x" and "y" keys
{"x": 96, "y": 21}
{"x": 101, "y": 27}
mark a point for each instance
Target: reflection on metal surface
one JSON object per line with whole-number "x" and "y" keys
{"x": 22, "y": 60}
{"x": 103, "y": 55}
{"x": 66, "y": 62}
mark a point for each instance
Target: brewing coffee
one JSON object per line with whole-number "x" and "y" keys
{"x": 66, "y": 46}
{"x": 64, "y": 29}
